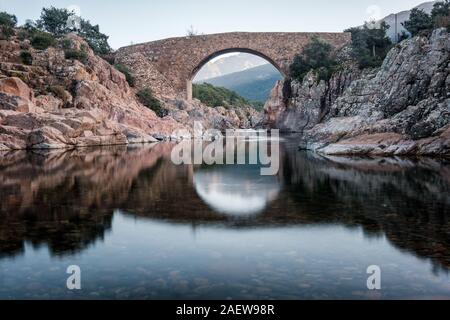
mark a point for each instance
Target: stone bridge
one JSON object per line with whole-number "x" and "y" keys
{"x": 168, "y": 66}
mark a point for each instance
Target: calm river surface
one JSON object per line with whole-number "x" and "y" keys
{"x": 140, "y": 227}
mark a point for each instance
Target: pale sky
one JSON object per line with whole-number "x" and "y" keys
{"x": 136, "y": 21}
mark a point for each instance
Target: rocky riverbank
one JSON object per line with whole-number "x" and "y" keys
{"x": 49, "y": 101}
{"x": 402, "y": 108}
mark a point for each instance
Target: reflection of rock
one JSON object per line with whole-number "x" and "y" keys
{"x": 236, "y": 190}
{"x": 66, "y": 200}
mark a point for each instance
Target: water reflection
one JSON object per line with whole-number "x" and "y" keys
{"x": 236, "y": 190}
{"x": 81, "y": 202}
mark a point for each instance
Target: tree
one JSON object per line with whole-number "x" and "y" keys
{"x": 54, "y": 21}
{"x": 7, "y": 23}
{"x": 8, "y": 20}
{"x": 370, "y": 44}
{"x": 317, "y": 55}
{"x": 96, "y": 40}
{"x": 441, "y": 9}
{"x": 59, "y": 22}
{"x": 441, "y": 14}
{"x": 419, "y": 21}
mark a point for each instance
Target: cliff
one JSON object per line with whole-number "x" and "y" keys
{"x": 51, "y": 99}
{"x": 54, "y": 102}
{"x": 402, "y": 108}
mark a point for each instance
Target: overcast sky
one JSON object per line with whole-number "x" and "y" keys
{"x": 135, "y": 21}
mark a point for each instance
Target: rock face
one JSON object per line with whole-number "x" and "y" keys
{"x": 296, "y": 107}
{"x": 401, "y": 109}
{"x": 219, "y": 118}
{"x": 62, "y": 103}
{"x": 66, "y": 103}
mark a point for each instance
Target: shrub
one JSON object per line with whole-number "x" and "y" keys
{"x": 370, "y": 44}
{"x": 73, "y": 54}
{"x": 66, "y": 44}
{"x": 6, "y": 32}
{"x": 26, "y": 57}
{"x": 59, "y": 92}
{"x": 316, "y": 56}
{"x": 146, "y": 97}
{"x": 441, "y": 14}
{"x": 418, "y": 22}
{"x": 42, "y": 40}
{"x": 421, "y": 23}
{"x": 54, "y": 20}
{"x": 126, "y": 71}
{"x": 8, "y": 20}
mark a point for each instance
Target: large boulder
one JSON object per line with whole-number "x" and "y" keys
{"x": 16, "y": 87}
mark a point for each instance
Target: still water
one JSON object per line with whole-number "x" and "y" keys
{"x": 140, "y": 227}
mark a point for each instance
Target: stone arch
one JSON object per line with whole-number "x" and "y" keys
{"x": 218, "y": 53}
{"x": 168, "y": 65}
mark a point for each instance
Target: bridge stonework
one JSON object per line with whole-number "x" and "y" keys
{"x": 169, "y": 66}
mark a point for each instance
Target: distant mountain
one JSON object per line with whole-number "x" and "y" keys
{"x": 253, "y": 84}
{"x": 402, "y": 17}
{"x": 229, "y": 64}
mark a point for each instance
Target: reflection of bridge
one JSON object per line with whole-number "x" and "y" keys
{"x": 35, "y": 185}
{"x": 170, "y": 65}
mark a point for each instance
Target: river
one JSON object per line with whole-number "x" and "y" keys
{"x": 140, "y": 227}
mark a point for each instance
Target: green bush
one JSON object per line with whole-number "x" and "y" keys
{"x": 26, "y": 57}
{"x": 418, "y": 22}
{"x": 370, "y": 44}
{"x": 73, "y": 54}
{"x": 316, "y": 56}
{"x": 54, "y": 20}
{"x": 146, "y": 97}
{"x": 59, "y": 92}
{"x": 126, "y": 71}
{"x": 6, "y": 32}
{"x": 8, "y": 20}
{"x": 66, "y": 44}
{"x": 217, "y": 96}
{"x": 42, "y": 40}
{"x": 421, "y": 23}
{"x": 96, "y": 40}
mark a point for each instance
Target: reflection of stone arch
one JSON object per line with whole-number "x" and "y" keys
{"x": 178, "y": 59}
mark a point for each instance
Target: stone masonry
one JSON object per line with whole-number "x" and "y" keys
{"x": 168, "y": 66}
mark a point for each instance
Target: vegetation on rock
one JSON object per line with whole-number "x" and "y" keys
{"x": 317, "y": 56}
{"x": 218, "y": 97}
{"x": 127, "y": 72}
{"x": 42, "y": 40}
{"x": 421, "y": 23}
{"x": 370, "y": 44}
{"x": 7, "y": 23}
{"x": 147, "y": 98}
{"x": 75, "y": 54}
{"x": 54, "y": 23}
{"x": 26, "y": 57}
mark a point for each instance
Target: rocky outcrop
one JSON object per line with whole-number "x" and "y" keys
{"x": 401, "y": 109}
{"x": 298, "y": 106}
{"x": 220, "y": 118}
{"x": 64, "y": 103}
